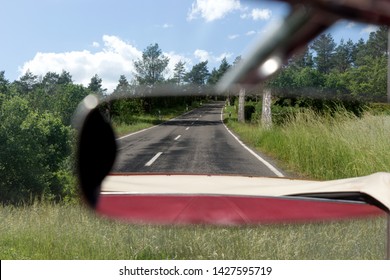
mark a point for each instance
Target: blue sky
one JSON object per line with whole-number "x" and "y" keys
{"x": 88, "y": 37}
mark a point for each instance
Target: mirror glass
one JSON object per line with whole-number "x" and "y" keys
{"x": 185, "y": 157}
{"x": 180, "y": 135}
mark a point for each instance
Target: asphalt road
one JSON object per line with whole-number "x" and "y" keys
{"x": 194, "y": 143}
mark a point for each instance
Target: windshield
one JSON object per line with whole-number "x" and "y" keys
{"x": 196, "y": 106}
{"x": 321, "y": 116}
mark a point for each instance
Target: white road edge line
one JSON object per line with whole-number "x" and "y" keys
{"x": 139, "y": 131}
{"x": 145, "y": 129}
{"x": 177, "y": 138}
{"x": 266, "y": 163}
{"x": 150, "y": 162}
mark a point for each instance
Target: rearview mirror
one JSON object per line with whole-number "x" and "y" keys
{"x": 186, "y": 166}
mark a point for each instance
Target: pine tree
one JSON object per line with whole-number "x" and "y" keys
{"x": 324, "y": 46}
{"x": 179, "y": 73}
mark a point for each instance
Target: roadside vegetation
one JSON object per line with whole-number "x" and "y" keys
{"x": 41, "y": 216}
{"x": 323, "y": 146}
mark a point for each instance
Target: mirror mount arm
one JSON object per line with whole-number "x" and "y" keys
{"x": 302, "y": 25}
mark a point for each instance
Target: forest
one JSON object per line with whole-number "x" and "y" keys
{"x": 37, "y": 139}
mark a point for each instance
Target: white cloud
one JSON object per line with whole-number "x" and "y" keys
{"x": 222, "y": 56}
{"x": 233, "y": 36}
{"x": 369, "y": 28}
{"x": 212, "y": 10}
{"x": 202, "y": 55}
{"x": 351, "y": 24}
{"x": 114, "y": 60}
{"x": 250, "y": 33}
{"x": 95, "y": 45}
{"x": 167, "y": 25}
{"x": 257, "y": 14}
{"x": 261, "y": 14}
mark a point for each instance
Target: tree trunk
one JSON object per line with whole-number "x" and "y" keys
{"x": 241, "y": 105}
{"x": 266, "y": 116}
{"x": 388, "y": 66}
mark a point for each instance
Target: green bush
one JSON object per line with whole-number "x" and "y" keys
{"x": 33, "y": 148}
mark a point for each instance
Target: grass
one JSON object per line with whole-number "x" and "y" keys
{"x": 49, "y": 231}
{"x": 324, "y": 147}
{"x": 122, "y": 129}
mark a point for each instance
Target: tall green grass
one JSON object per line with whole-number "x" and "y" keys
{"x": 54, "y": 231}
{"x": 122, "y": 129}
{"x": 324, "y": 146}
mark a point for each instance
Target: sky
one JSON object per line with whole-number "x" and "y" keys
{"x": 104, "y": 37}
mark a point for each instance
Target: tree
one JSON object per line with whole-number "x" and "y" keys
{"x": 123, "y": 110}
{"x": 150, "y": 69}
{"x": 241, "y": 105}
{"x": 123, "y": 86}
{"x": 324, "y": 46}
{"x": 223, "y": 67}
{"x": 4, "y": 84}
{"x": 216, "y": 75}
{"x": 96, "y": 87}
{"x": 65, "y": 78}
{"x": 368, "y": 80}
{"x": 33, "y": 148}
{"x": 213, "y": 77}
{"x": 266, "y": 114}
{"x": 343, "y": 57}
{"x": 377, "y": 42}
{"x": 237, "y": 60}
{"x": 198, "y": 74}
{"x": 50, "y": 82}
{"x": 179, "y": 73}
{"x": 302, "y": 59}
{"x": 27, "y": 83}
{"x": 65, "y": 103}
{"x": 360, "y": 53}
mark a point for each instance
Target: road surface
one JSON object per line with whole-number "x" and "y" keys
{"x": 194, "y": 143}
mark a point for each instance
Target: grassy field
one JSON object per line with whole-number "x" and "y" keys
{"x": 47, "y": 231}
{"x": 313, "y": 146}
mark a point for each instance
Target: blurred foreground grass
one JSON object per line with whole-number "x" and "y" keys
{"x": 54, "y": 231}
